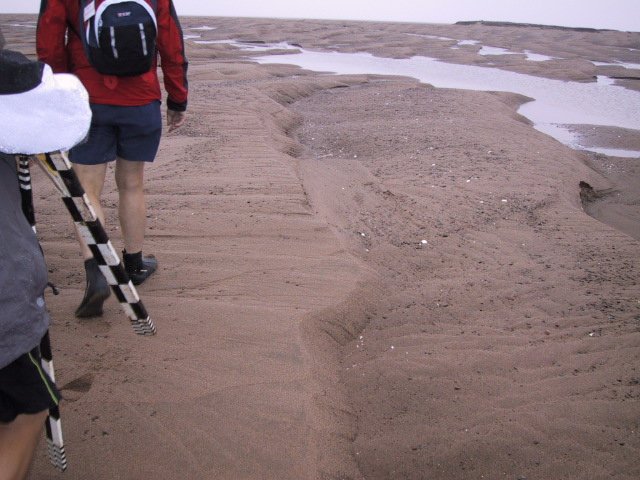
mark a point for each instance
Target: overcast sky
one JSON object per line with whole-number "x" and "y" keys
{"x": 614, "y": 14}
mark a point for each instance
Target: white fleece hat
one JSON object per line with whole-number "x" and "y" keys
{"x": 40, "y": 111}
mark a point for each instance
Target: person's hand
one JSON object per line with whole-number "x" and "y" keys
{"x": 175, "y": 119}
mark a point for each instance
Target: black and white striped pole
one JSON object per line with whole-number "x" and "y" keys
{"x": 53, "y": 425}
{"x": 58, "y": 168}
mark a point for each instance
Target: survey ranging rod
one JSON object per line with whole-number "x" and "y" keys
{"x": 58, "y": 168}
{"x": 53, "y": 425}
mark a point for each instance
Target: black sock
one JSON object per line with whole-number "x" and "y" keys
{"x": 132, "y": 261}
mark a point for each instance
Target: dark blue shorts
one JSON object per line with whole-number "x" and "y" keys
{"x": 130, "y": 133}
{"x": 25, "y": 388}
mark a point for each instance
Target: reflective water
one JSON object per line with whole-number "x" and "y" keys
{"x": 468, "y": 42}
{"x": 630, "y": 66}
{"x": 537, "y": 57}
{"x": 532, "y": 57}
{"x": 556, "y": 103}
{"x": 249, "y": 46}
{"x": 486, "y": 50}
{"x": 604, "y": 80}
{"x": 433, "y": 37}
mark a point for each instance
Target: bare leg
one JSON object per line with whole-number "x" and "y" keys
{"x": 97, "y": 289}
{"x": 131, "y": 209}
{"x": 18, "y": 441}
{"x": 92, "y": 180}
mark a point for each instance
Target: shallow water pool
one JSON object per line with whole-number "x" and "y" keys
{"x": 555, "y": 105}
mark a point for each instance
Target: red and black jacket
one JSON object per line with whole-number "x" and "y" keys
{"x": 59, "y": 45}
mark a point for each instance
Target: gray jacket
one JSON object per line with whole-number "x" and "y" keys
{"x": 23, "y": 273}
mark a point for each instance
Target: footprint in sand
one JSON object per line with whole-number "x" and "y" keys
{"x": 74, "y": 389}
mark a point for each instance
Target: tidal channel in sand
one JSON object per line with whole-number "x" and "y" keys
{"x": 556, "y": 105}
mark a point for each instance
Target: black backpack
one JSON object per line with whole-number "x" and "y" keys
{"x": 119, "y": 36}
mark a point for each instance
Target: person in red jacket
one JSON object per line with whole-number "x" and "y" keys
{"x": 126, "y": 127}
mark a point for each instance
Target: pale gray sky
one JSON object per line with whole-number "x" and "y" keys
{"x": 614, "y": 14}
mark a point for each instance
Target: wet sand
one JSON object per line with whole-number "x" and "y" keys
{"x": 363, "y": 277}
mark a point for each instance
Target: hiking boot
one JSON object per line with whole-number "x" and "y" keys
{"x": 139, "y": 267}
{"x": 96, "y": 291}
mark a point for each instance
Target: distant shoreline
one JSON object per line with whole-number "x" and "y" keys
{"x": 490, "y": 23}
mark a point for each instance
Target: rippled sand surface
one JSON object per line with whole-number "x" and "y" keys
{"x": 364, "y": 277}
